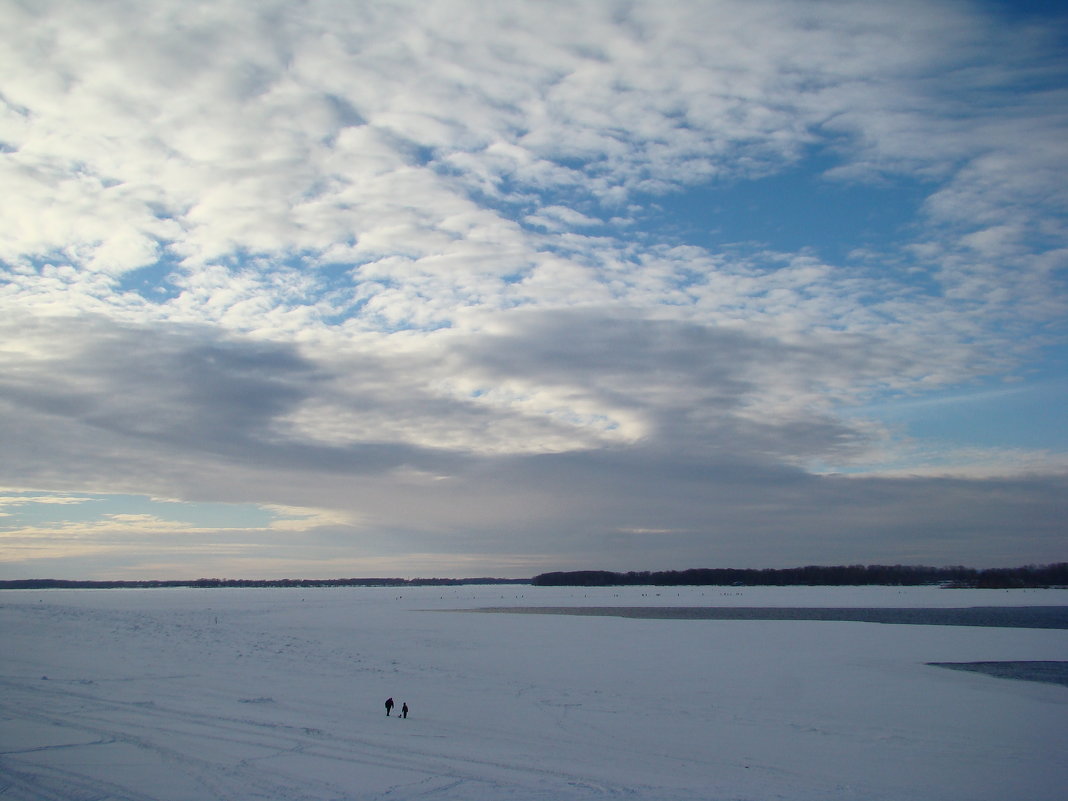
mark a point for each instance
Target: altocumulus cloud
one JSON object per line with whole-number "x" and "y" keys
{"x": 469, "y": 287}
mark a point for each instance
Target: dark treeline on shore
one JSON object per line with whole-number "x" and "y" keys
{"x": 45, "y": 584}
{"x": 1055, "y": 575}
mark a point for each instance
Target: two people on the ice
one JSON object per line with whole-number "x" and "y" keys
{"x": 390, "y": 705}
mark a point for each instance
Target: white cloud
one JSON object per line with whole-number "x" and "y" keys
{"x": 306, "y": 132}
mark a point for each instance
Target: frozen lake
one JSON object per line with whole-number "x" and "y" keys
{"x": 192, "y": 694}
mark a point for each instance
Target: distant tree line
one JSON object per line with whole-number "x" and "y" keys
{"x": 45, "y": 584}
{"x": 1055, "y": 575}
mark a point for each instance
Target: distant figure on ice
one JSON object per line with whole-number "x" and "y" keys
{"x": 404, "y": 709}
{"x": 389, "y": 706}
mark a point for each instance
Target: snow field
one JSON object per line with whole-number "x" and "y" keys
{"x": 183, "y": 695}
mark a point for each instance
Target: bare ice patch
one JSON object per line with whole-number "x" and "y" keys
{"x": 1029, "y": 617}
{"x": 1050, "y": 672}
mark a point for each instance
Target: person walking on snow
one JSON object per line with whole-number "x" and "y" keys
{"x": 404, "y": 709}
{"x": 389, "y": 706}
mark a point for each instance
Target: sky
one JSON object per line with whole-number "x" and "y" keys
{"x": 472, "y": 288}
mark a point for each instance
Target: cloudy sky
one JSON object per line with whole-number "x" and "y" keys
{"x": 472, "y": 287}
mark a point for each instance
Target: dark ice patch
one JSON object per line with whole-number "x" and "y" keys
{"x": 1022, "y": 617}
{"x": 1049, "y": 672}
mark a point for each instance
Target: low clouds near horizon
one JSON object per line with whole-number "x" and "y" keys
{"x": 468, "y": 288}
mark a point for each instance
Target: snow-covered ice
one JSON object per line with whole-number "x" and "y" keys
{"x": 192, "y": 694}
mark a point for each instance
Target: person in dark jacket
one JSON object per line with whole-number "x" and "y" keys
{"x": 389, "y": 706}
{"x": 404, "y": 709}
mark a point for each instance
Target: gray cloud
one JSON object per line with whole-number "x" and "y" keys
{"x": 109, "y": 400}
{"x": 195, "y": 413}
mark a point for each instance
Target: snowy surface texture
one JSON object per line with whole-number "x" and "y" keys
{"x": 186, "y": 695}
